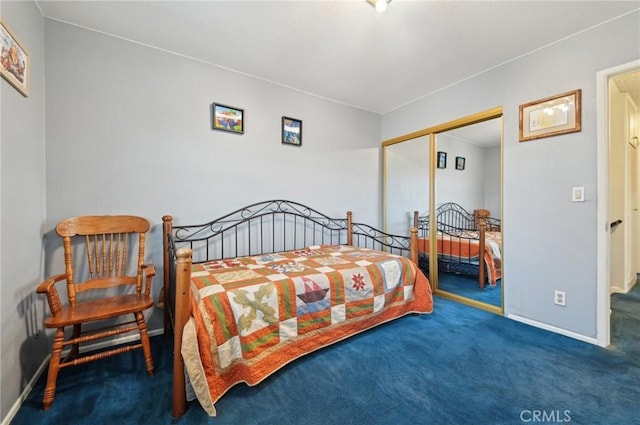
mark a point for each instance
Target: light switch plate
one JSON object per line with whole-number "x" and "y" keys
{"x": 577, "y": 194}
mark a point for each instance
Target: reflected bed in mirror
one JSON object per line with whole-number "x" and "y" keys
{"x": 469, "y": 251}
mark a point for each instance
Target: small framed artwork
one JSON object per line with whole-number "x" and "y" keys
{"x": 442, "y": 160}
{"x": 227, "y": 118}
{"x": 551, "y": 116}
{"x": 15, "y": 60}
{"x": 291, "y": 131}
{"x": 460, "y": 162}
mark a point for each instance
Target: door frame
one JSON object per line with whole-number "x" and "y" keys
{"x": 603, "y": 302}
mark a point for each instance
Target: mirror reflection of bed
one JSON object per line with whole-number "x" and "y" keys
{"x": 469, "y": 251}
{"x": 465, "y": 198}
{"x": 475, "y": 190}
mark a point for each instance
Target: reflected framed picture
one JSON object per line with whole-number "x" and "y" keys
{"x": 15, "y": 60}
{"x": 227, "y": 118}
{"x": 551, "y": 116}
{"x": 291, "y": 131}
{"x": 460, "y": 161}
{"x": 442, "y": 160}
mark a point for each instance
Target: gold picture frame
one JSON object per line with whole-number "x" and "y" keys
{"x": 14, "y": 60}
{"x": 551, "y": 116}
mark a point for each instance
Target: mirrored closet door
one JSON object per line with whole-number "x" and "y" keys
{"x": 406, "y": 183}
{"x": 447, "y": 181}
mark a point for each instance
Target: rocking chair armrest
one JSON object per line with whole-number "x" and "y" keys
{"x": 49, "y": 287}
{"x": 149, "y": 271}
{"x": 49, "y": 284}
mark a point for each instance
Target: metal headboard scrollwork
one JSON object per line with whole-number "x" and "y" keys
{"x": 453, "y": 218}
{"x": 365, "y": 236}
{"x": 261, "y": 228}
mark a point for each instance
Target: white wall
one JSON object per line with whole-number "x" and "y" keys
{"x": 464, "y": 187}
{"x": 22, "y": 173}
{"x": 128, "y": 131}
{"x": 493, "y": 180}
{"x": 549, "y": 242}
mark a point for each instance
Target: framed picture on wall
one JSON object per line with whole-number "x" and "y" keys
{"x": 551, "y": 116}
{"x": 291, "y": 131}
{"x": 460, "y": 160}
{"x": 442, "y": 160}
{"x": 227, "y": 118}
{"x": 15, "y": 60}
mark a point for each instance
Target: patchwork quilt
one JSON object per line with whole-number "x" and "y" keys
{"x": 253, "y": 315}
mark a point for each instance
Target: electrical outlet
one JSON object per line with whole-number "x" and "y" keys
{"x": 560, "y": 298}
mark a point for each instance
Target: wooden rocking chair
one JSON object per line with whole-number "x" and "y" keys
{"x": 109, "y": 242}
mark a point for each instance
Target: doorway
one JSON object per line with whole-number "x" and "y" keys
{"x": 618, "y": 92}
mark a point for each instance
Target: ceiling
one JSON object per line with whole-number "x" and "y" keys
{"x": 629, "y": 82}
{"x": 345, "y": 51}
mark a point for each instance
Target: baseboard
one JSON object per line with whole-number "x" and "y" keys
{"x": 554, "y": 329}
{"x": 121, "y": 340}
{"x": 625, "y": 288}
{"x": 25, "y": 392}
{"x": 43, "y": 366}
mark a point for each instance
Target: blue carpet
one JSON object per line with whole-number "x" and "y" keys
{"x": 459, "y": 365}
{"x": 467, "y": 286}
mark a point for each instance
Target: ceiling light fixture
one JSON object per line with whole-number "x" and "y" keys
{"x": 380, "y": 5}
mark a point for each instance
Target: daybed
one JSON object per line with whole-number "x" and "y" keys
{"x": 461, "y": 237}
{"x": 268, "y": 283}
